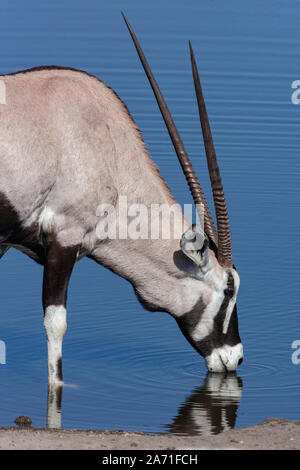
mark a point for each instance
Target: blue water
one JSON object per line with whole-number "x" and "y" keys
{"x": 131, "y": 369}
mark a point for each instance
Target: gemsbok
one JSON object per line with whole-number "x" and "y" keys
{"x": 68, "y": 146}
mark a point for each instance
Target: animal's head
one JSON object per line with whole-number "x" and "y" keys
{"x": 211, "y": 326}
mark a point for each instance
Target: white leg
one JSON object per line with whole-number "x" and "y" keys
{"x": 55, "y": 324}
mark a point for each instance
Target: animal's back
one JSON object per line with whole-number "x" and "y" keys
{"x": 68, "y": 141}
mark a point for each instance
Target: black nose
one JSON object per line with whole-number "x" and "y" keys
{"x": 240, "y": 361}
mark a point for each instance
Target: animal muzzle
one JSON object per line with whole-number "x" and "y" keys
{"x": 225, "y": 358}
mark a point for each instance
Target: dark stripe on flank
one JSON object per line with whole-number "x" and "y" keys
{"x": 9, "y": 220}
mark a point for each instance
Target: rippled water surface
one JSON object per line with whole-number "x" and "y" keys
{"x": 127, "y": 368}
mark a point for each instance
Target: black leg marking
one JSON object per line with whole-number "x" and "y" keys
{"x": 59, "y": 369}
{"x": 57, "y": 272}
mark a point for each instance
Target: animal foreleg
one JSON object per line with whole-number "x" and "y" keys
{"x": 57, "y": 271}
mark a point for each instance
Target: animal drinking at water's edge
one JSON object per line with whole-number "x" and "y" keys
{"x": 67, "y": 146}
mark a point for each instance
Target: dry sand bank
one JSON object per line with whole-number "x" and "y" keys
{"x": 273, "y": 433}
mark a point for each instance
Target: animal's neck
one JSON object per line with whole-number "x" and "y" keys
{"x": 158, "y": 270}
{"x": 154, "y": 264}
{"x": 149, "y": 266}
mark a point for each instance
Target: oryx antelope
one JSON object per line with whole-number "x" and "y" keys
{"x": 69, "y": 144}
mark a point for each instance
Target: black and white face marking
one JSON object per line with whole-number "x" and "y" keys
{"x": 213, "y": 329}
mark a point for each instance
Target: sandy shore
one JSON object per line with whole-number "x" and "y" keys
{"x": 273, "y": 433}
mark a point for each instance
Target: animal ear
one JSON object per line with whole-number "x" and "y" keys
{"x": 194, "y": 244}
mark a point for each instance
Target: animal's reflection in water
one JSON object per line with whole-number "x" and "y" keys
{"x": 54, "y": 406}
{"x": 210, "y": 409}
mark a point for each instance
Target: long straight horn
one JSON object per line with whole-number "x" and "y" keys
{"x": 224, "y": 237}
{"x": 182, "y": 155}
